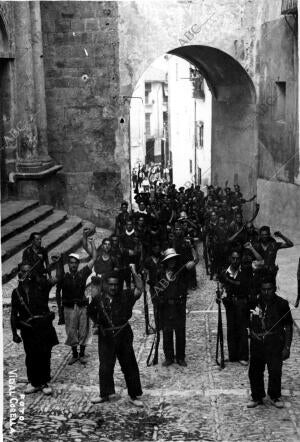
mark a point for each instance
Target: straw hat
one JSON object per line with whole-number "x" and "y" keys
{"x": 169, "y": 253}
{"x": 182, "y": 216}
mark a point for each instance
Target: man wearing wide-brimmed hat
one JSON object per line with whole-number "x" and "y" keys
{"x": 171, "y": 290}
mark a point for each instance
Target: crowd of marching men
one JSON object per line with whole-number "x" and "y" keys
{"x": 157, "y": 248}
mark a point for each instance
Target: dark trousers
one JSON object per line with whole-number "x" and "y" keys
{"x": 168, "y": 343}
{"x": 237, "y": 336}
{"x": 109, "y": 350}
{"x": 125, "y": 276}
{"x": 38, "y": 363}
{"x": 192, "y": 278}
{"x": 262, "y": 354}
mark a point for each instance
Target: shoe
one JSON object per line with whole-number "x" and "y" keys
{"x": 244, "y": 363}
{"x": 253, "y": 404}
{"x": 100, "y": 400}
{"x": 31, "y": 389}
{"x": 83, "y": 360}
{"x": 167, "y": 362}
{"x": 114, "y": 396}
{"x": 277, "y": 403}
{"x": 136, "y": 402}
{"x": 46, "y": 389}
{"x": 182, "y": 363}
{"x": 73, "y": 360}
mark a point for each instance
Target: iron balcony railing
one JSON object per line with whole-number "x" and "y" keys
{"x": 289, "y": 7}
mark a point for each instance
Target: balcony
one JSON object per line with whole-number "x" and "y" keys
{"x": 289, "y": 7}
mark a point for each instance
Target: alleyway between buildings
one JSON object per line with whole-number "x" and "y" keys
{"x": 197, "y": 403}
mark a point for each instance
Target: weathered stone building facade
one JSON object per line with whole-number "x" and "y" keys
{"x": 83, "y": 60}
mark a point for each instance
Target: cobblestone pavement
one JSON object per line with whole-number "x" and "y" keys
{"x": 197, "y": 403}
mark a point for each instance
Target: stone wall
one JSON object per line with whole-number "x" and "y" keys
{"x": 280, "y": 204}
{"x": 278, "y": 133}
{"x": 278, "y": 189}
{"x": 82, "y": 89}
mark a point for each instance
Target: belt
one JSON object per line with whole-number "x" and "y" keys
{"x": 263, "y": 335}
{"x": 71, "y": 304}
{"x": 175, "y": 301}
{"x": 116, "y": 328}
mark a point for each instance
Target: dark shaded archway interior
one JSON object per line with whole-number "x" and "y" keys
{"x": 220, "y": 70}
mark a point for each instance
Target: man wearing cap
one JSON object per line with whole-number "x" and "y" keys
{"x": 111, "y": 309}
{"x": 171, "y": 291}
{"x": 75, "y": 303}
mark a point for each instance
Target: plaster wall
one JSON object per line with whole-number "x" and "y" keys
{"x": 204, "y": 108}
{"x": 181, "y": 120}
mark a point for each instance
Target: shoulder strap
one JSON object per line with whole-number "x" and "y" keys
{"x": 21, "y": 300}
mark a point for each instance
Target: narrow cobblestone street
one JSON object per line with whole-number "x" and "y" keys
{"x": 200, "y": 402}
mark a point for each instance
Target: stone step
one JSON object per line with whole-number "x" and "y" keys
{"x": 13, "y": 209}
{"x": 62, "y": 239}
{"x": 20, "y": 241}
{"x": 71, "y": 244}
{"x": 18, "y": 225}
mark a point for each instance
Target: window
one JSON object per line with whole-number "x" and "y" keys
{"x": 191, "y": 166}
{"x": 280, "y": 101}
{"x": 198, "y": 83}
{"x": 199, "y": 134}
{"x": 165, "y": 93}
{"x": 147, "y": 125}
{"x": 147, "y": 92}
{"x": 199, "y": 176}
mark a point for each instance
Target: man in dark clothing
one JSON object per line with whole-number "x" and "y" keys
{"x": 111, "y": 310}
{"x": 130, "y": 249}
{"x": 30, "y": 313}
{"x": 237, "y": 285}
{"x": 268, "y": 248}
{"x": 171, "y": 291}
{"x": 105, "y": 263}
{"x": 74, "y": 302}
{"x": 36, "y": 255}
{"x": 271, "y": 333}
{"x": 121, "y": 219}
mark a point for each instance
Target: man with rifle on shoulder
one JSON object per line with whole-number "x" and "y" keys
{"x": 31, "y": 315}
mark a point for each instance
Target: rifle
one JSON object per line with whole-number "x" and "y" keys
{"x": 146, "y": 307}
{"x": 205, "y": 254}
{"x": 156, "y": 340}
{"x": 220, "y": 338}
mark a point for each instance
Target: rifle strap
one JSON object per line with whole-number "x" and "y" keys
{"x": 22, "y": 302}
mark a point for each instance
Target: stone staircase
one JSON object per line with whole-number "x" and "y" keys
{"x": 61, "y": 234}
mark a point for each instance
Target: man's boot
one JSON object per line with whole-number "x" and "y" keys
{"x": 74, "y": 357}
{"x": 82, "y": 358}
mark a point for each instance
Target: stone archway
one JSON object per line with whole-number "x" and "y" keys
{"x": 234, "y": 132}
